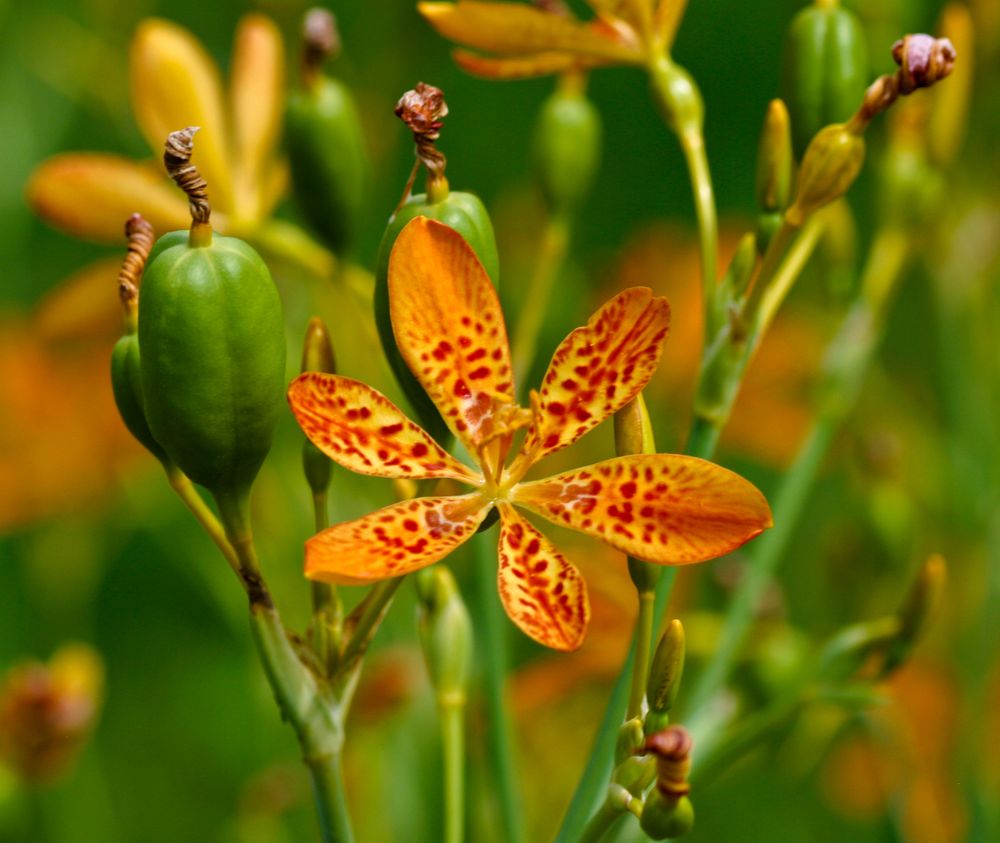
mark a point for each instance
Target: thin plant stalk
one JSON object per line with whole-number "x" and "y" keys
{"x": 451, "y": 716}
{"x": 551, "y": 255}
{"x": 600, "y": 824}
{"x": 856, "y": 342}
{"x": 331, "y": 801}
{"x": 491, "y": 636}
{"x": 643, "y": 645}
{"x": 185, "y": 490}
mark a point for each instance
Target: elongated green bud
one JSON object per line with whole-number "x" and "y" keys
{"x": 317, "y": 356}
{"x": 213, "y": 345}
{"x": 634, "y": 435}
{"x": 666, "y": 669}
{"x": 326, "y": 147}
{"x": 445, "y": 634}
{"x": 567, "y": 145}
{"x": 825, "y": 69}
{"x": 918, "y": 608}
{"x": 774, "y": 160}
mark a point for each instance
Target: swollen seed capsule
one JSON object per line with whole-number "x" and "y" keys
{"x": 567, "y": 146}
{"x": 213, "y": 345}
{"x": 825, "y": 69}
{"x": 326, "y": 148}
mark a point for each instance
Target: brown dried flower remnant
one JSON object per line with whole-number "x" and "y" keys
{"x": 320, "y": 41}
{"x": 672, "y": 748}
{"x": 423, "y": 110}
{"x": 140, "y": 236}
{"x": 177, "y": 159}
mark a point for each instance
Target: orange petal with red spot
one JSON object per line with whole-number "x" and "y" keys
{"x": 520, "y": 28}
{"x": 662, "y": 508}
{"x": 521, "y": 67}
{"x": 393, "y": 541}
{"x": 598, "y": 369}
{"x": 450, "y": 330}
{"x": 541, "y": 591}
{"x": 364, "y": 431}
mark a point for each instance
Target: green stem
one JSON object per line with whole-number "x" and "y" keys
{"x": 188, "y": 494}
{"x": 643, "y": 645}
{"x": 693, "y": 144}
{"x": 552, "y": 252}
{"x": 491, "y": 639}
{"x": 600, "y": 824}
{"x": 850, "y": 355}
{"x": 451, "y": 713}
{"x": 331, "y": 801}
{"x": 366, "y": 618}
{"x": 325, "y": 601}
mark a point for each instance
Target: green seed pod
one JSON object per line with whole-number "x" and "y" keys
{"x": 422, "y": 110}
{"x": 567, "y": 146}
{"x": 664, "y": 818}
{"x": 126, "y": 383}
{"x": 317, "y": 356}
{"x": 445, "y": 633}
{"x": 825, "y": 69}
{"x": 213, "y": 345}
{"x": 830, "y": 166}
{"x": 325, "y": 145}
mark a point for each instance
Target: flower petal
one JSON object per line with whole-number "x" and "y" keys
{"x": 663, "y": 508}
{"x": 90, "y": 195}
{"x": 175, "y": 84}
{"x": 519, "y": 28}
{"x": 598, "y": 369}
{"x": 521, "y": 67}
{"x": 450, "y": 330}
{"x": 541, "y": 591}
{"x": 257, "y": 95}
{"x": 394, "y": 540}
{"x": 364, "y": 431}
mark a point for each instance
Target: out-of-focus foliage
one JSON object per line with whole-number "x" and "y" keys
{"x": 188, "y": 745}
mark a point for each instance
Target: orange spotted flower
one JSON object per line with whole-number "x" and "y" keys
{"x": 663, "y": 508}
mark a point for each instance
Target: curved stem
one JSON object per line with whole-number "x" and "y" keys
{"x": 693, "y": 144}
{"x": 186, "y": 491}
{"x": 451, "y": 713}
{"x": 552, "y": 252}
{"x": 491, "y": 639}
{"x": 643, "y": 645}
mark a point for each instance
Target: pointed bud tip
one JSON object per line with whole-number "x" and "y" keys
{"x": 317, "y": 349}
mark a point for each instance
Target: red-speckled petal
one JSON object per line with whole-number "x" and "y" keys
{"x": 663, "y": 508}
{"x": 393, "y": 541}
{"x": 450, "y": 330}
{"x": 542, "y": 592}
{"x": 598, "y": 369}
{"x": 364, "y": 431}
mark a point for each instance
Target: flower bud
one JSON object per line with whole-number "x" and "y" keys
{"x": 47, "y": 711}
{"x": 665, "y": 819}
{"x": 667, "y": 811}
{"x": 830, "y": 166}
{"x": 920, "y": 605}
{"x": 567, "y": 146}
{"x": 630, "y": 739}
{"x": 445, "y": 633}
{"x": 774, "y": 159}
{"x": 680, "y": 99}
{"x": 317, "y": 356}
{"x": 666, "y": 669}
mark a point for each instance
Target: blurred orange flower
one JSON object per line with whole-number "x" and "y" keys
{"x": 174, "y": 83}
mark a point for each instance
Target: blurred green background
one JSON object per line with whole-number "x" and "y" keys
{"x": 95, "y": 549}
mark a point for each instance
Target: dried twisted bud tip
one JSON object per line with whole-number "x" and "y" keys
{"x": 423, "y": 110}
{"x": 177, "y": 159}
{"x": 923, "y": 60}
{"x": 672, "y": 748}
{"x": 140, "y": 236}
{"x": 320, "y": 38}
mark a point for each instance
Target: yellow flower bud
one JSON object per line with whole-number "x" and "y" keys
{"x": 830, "y": 165}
